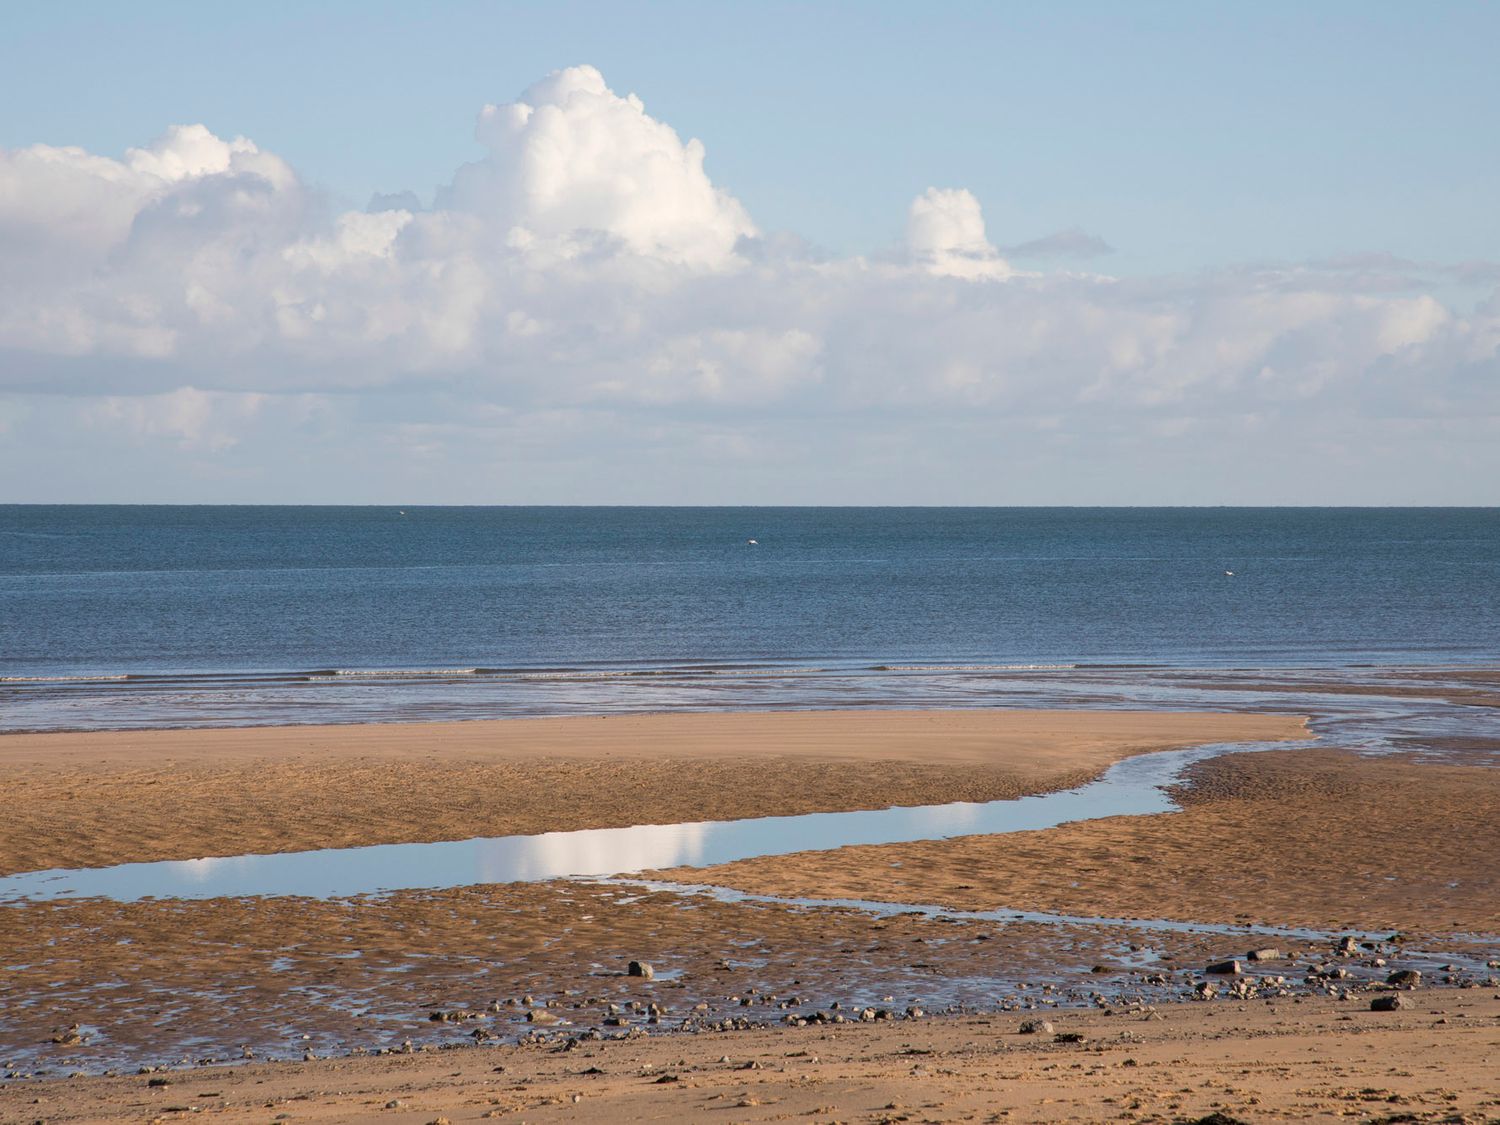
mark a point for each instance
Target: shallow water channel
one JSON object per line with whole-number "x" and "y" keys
{"x": 1132, "y": 787}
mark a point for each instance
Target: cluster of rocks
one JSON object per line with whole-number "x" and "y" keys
{"x": 1348, "y": 967}
{"x": 1341, "y": 970}
{"x": 1329, "y": 977}
{"x": 616, "y": 1019}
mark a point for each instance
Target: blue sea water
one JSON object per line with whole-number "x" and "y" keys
{"x": 289, "y": 614}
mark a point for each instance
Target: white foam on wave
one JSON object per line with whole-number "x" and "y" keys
{"x": 394, "y": 673}
{"x": 584, "y": 674}
{"x": 60, "y": 679}
{"x": 975, "y": 667}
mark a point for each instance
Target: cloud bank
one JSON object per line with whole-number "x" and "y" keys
{"x": 583, "y": 300}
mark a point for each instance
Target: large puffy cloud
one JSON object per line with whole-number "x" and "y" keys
{"x": 71, "y": 210}
{"x": 586, "y": 268}
{"x": 571, "y": 160}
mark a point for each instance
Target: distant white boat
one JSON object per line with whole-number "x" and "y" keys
{"x": 752, "y": 542}
{"x": 1230, "y": 573}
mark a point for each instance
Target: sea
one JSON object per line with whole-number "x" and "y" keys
{"x": 120, "y": 617}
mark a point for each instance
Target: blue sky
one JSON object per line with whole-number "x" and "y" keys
{"x": 1187, "y": 135}
{"x": 1341, "y": 155}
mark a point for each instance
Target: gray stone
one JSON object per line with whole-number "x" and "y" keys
{"x": 640, "y": 969}
{"x": 1405, "y": 978}
{"x": 1224, "y": 968}
{"x": 1388, "y": 1004}
{"x": 1035, "y": 1027}
{"x": 1264, "y": 955}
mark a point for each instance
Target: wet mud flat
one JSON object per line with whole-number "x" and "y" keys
{"x": 95, "y": 986}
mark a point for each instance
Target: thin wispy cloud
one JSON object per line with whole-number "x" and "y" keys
{"x": 1070, "y": 243}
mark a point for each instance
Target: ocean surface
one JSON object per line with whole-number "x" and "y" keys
{"x": 171, "y": 616}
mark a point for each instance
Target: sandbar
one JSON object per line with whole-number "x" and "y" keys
{"x": 92, "y": 799}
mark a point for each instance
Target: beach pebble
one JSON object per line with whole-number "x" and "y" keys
{"x": 1035, "y": 1027}
{"x": 1264, "y": 955}
{"x": 1388, "y": 1003}
{"x": 1405, "y": 978}
{"x": 1224, "y": 968}
{"x": 1346, "y": 947}
{"x": 640, "y": 969}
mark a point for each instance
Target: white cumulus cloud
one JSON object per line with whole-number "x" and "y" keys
{"x": 570, "y": 159}
{"x": 585, "y": 287}
{"x": 945, "y": 233}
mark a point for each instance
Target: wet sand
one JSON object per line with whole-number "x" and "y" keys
{"x": 176, "y": 982}
{"x": 1319, "y": 1059}
{"x": 1310, "y": 837}
{"x": 87, "y": 800}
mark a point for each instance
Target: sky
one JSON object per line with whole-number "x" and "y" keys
{"x": 1064, "y": 253}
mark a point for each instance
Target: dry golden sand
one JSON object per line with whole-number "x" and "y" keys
{"x": 74, "y": 800}
{"x": 1315, "y": 1060}
{"x": 1310, "y": 837}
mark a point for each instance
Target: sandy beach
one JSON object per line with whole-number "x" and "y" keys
{"x": 1299, "y": 837}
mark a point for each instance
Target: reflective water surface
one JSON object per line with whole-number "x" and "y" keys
{"x": 1130, "y": 787}
{"x": 1349, "y": 712}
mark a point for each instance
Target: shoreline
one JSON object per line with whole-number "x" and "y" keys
{"x": 230, "y": 701}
